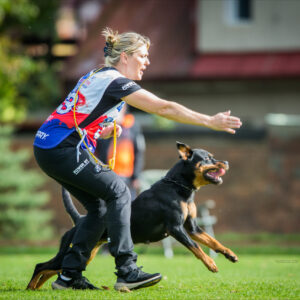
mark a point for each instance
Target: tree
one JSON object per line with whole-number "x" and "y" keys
{"x": 26, "y": 82}
{"x": 14, "y": 72}
{"x": 21, "y": 216}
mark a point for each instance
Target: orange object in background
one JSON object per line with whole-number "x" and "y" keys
{"x": 124, "y": 163}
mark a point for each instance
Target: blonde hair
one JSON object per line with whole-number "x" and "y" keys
{"x": 128, "y": 42}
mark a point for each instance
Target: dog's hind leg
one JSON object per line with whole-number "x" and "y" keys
{"x": 34, "y": 281}
{"x": 44, "y": 271}
{"x": 46, "y": 275}
{"x": 53, "y": 265}
{"x": 41, "y": 274}
{"x": 95, "y": 250}
{"x": 41, "y": 278}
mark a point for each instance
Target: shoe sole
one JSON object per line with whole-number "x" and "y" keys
{"x": 56, "y": 286}
{"x": 137, "y": 285}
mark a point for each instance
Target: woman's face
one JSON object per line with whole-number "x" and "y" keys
{"x": 137, "y": 63}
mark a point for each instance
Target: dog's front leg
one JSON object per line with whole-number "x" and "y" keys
{"x": 179, "y": 233}
{"x": 197, "y": 234}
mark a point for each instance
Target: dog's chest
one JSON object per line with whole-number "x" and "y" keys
{"x": 184, "y": 210}
{"x": 188, "y": 209}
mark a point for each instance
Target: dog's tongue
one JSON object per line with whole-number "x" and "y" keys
{"x": 220, "y": 172}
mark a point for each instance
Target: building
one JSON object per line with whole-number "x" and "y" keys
{"x": 212, "y": 56}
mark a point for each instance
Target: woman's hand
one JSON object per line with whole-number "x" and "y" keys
{"x": 224, "y": 122}
{"x": 108, "y": 131}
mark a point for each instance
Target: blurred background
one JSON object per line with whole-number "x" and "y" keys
{"x": 209, "y": 55}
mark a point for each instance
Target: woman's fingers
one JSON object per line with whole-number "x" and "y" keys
{"x": 119, "y": 130}
{"x": 229, "y": 130}
{"x": 225, "y": 122}
{"x": 233, "y": 122}
{"x": 228, "y": 112}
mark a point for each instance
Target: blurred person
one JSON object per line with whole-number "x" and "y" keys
{"x": 129, "y": 152}
{"x": 65, "y": 143}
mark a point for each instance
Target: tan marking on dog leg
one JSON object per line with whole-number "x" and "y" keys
{"x": 213, "y": 244}
{"x": 207, "y": 240}
{"x": 33, "y": 282}
{"x": 95, "y": 251}
{"x": 46, "y": 275}
{"x": 184, "y": 208}
{"x": 208, "y": 262}
{"x": 39, "y": 279}
{"x": 192, "y": 210}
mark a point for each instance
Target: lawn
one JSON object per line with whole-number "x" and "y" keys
{"x": 255, "y": 276}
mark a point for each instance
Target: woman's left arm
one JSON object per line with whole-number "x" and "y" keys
{"x": 150, "y": 103}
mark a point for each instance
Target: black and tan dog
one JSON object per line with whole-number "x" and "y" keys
{"x": 165, "y": 209}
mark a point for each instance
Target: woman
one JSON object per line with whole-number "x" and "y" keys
{"x": 64, "y": 145}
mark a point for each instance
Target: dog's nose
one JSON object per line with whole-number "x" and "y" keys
{"x": 226, "y": 163}
{"x": 223, "y": 164}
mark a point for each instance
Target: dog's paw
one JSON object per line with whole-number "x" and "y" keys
{"x": 230, "y": 255}
{"x": 210, "y": 264}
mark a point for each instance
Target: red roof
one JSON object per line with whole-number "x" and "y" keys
{"x": 268, "y": 65}
{"x": 170, "y": 25}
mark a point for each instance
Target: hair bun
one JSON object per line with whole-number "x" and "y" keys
{"x": 110, "y": 36}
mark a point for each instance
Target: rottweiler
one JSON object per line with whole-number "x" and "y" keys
{"x": 165, "y": 209}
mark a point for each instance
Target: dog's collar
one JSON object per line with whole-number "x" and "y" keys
{"x": 180, "y": 184}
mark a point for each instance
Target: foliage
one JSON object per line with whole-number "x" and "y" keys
{"x": 15, "y": 70}
{"x": 21, "y": 216}
{"x": 28, "y": 17}
{"x": 25, "y": 82}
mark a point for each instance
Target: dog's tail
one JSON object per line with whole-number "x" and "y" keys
{"x": 70, "y": 207}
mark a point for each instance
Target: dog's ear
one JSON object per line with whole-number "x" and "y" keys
{"x": 185, "y": 152}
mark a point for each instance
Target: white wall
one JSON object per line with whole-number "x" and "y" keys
{"x": 250, "y": 100}
{"x": 275, "y": 26}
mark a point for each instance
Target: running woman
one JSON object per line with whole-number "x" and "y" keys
{"x": 65, "y": 143}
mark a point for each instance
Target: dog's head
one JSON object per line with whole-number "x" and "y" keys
{"x": 205, "y": 168}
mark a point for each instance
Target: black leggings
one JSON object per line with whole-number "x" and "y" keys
{"x": 89, "y": 184}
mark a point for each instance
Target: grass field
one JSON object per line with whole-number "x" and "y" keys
{"x": 255, "y": 276}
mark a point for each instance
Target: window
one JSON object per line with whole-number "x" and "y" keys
{"x": 238, "y": 11}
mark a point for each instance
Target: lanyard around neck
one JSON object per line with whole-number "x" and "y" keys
{"x": 111, "y": 163}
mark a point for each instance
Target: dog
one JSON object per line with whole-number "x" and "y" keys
{"x": 166, "y": 208}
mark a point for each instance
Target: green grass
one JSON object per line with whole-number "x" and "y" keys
{"x": 259, "y": 276}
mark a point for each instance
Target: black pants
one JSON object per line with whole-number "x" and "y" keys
{"x": 91, "y": 185}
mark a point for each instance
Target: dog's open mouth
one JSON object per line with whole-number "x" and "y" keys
{"x": 214, "y": 175}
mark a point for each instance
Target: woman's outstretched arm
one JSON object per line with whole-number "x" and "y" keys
{"x": 150, "y": 103}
